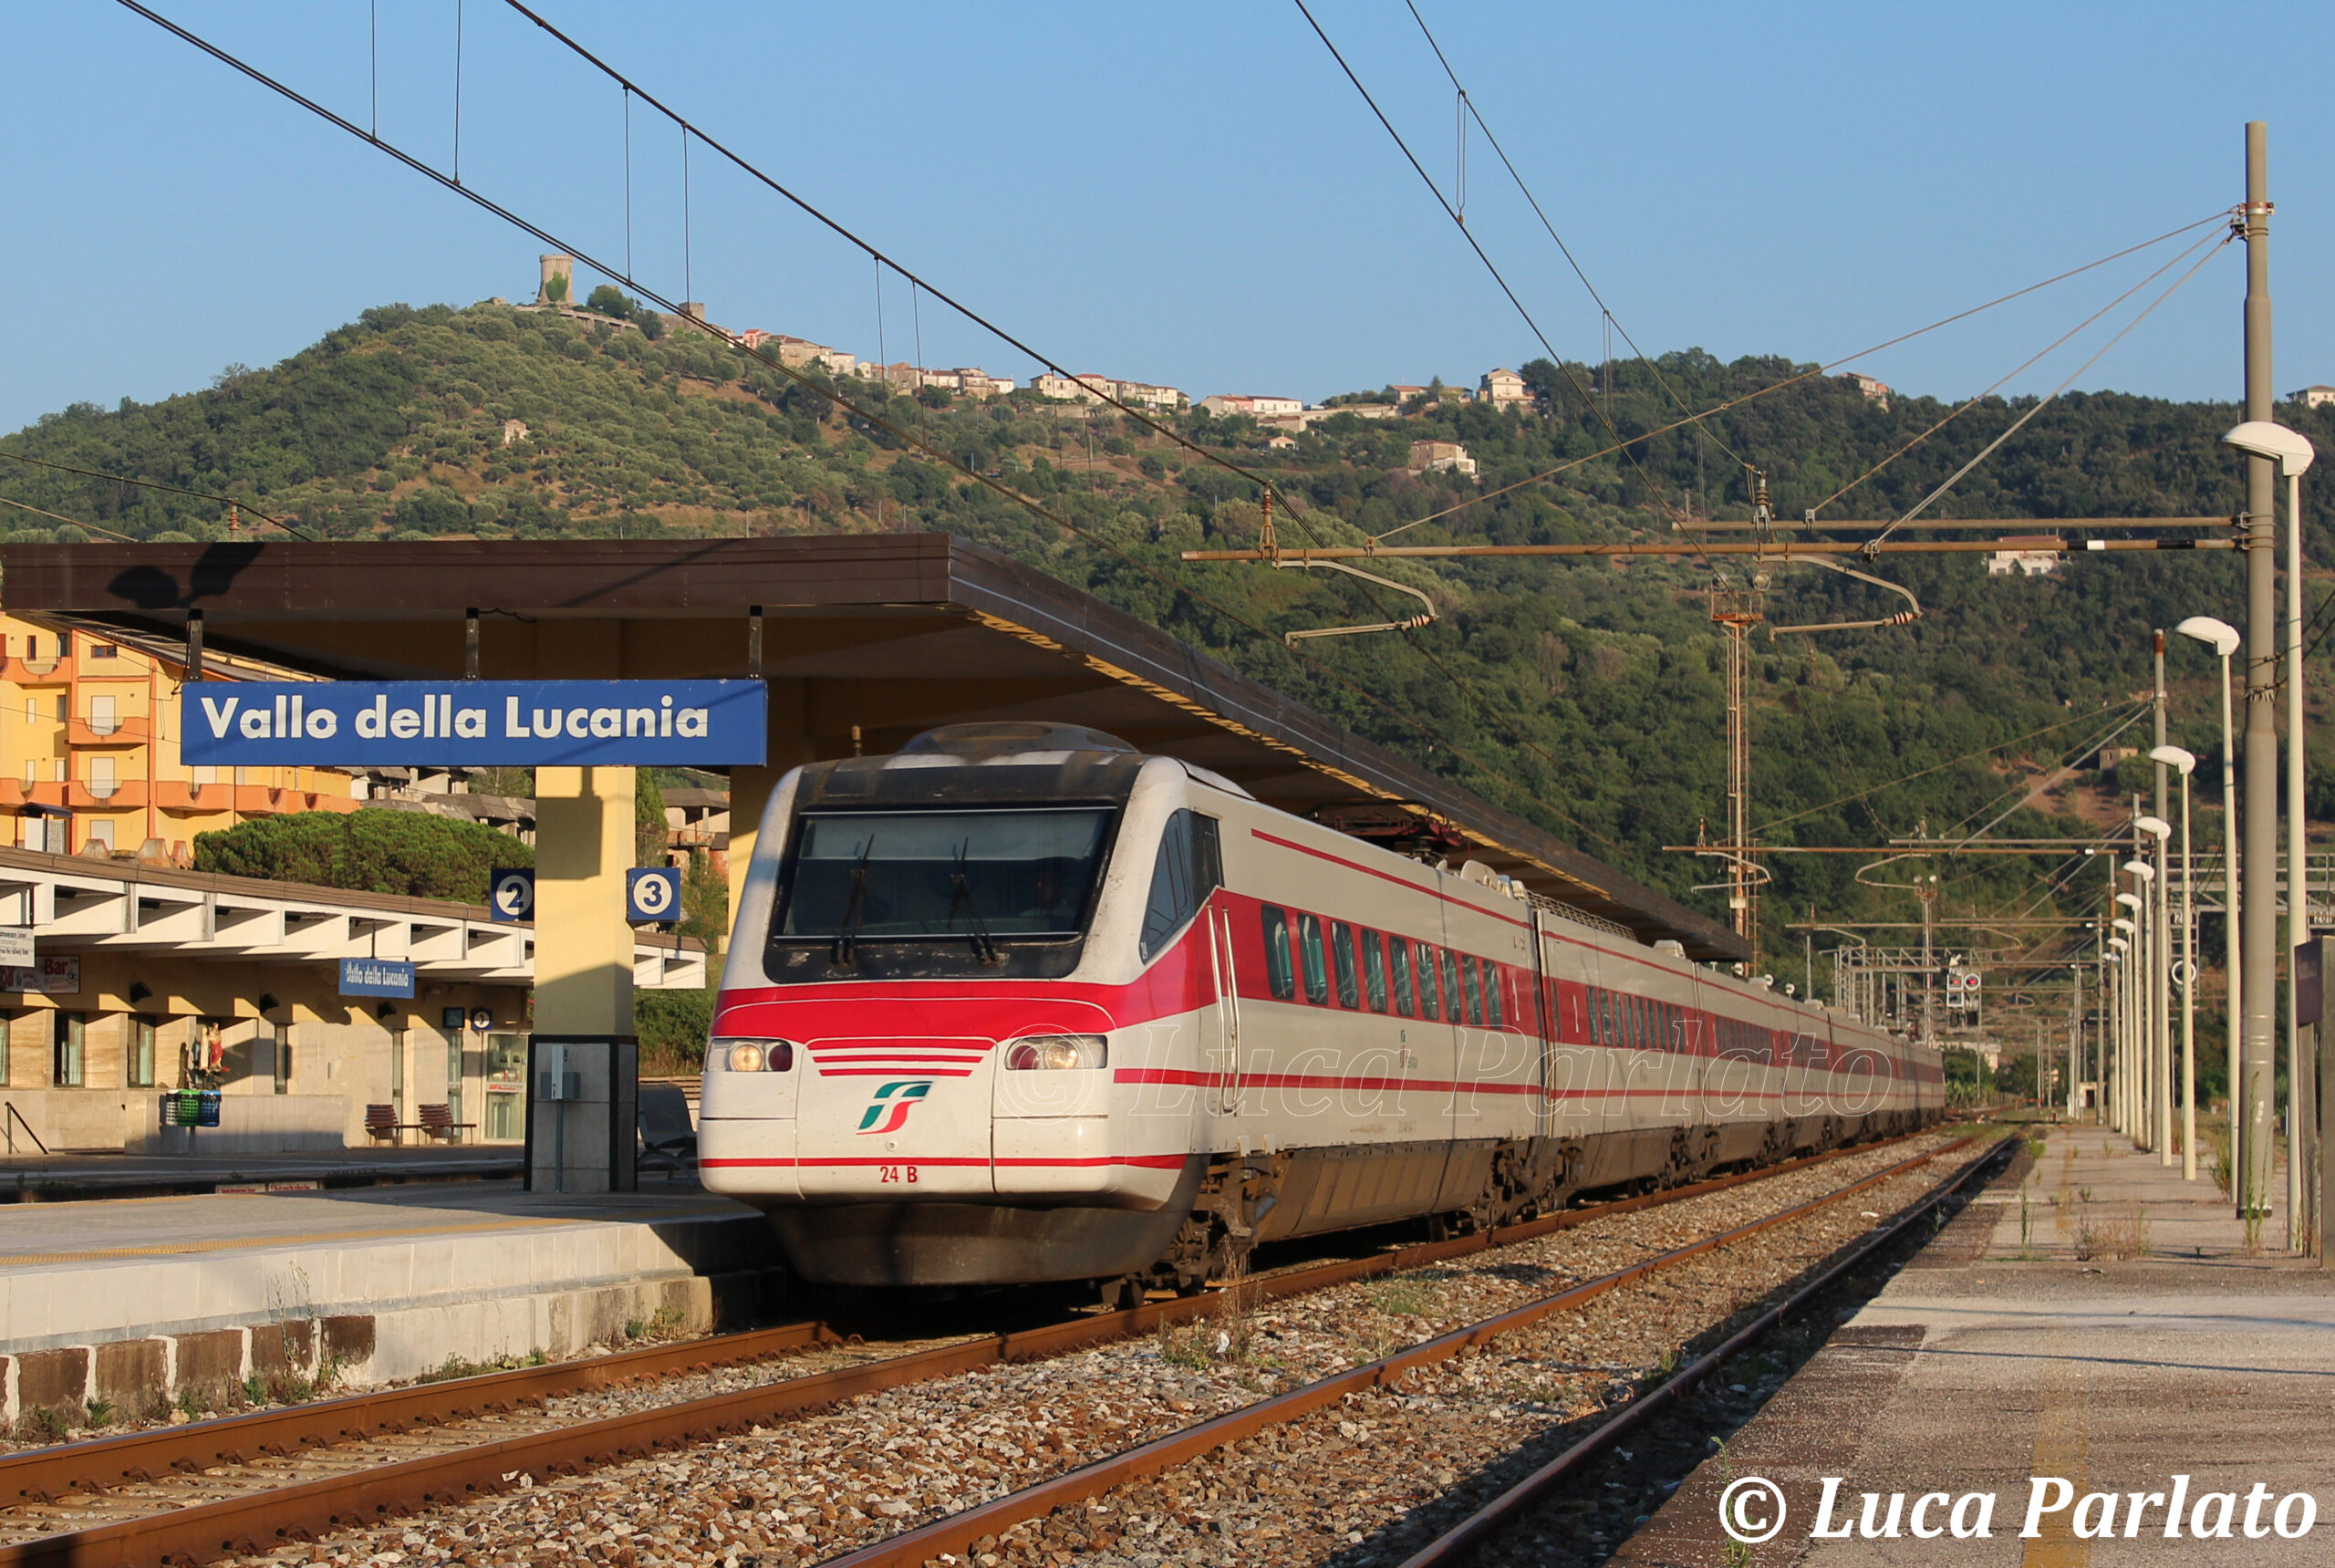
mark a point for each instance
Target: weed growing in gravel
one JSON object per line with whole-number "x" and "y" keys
{"x": 1408, "y": 1296}
{"x": 40, "y": 1423}
{"x": 102, "y": 1413}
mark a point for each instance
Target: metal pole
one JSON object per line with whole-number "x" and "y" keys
{"x": 2230, "y": 1006}
{"x": 2160, "y": 964}
{"x": 2188, "y": 998}
{"x": 2299, "y": 1103}
{"x": 2261, "y": 868}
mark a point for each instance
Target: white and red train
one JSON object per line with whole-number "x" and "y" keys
{"x": 1018, "y": 1003}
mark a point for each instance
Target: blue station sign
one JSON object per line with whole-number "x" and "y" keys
{"x": 376, "y": 977}
{"x": 473, "y": 723}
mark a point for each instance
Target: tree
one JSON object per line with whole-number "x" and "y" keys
{"x": 367, "y": 851}
{"x": 555, "y": 287}
{"x": 610, "y": 300}
{"x": 649, "y": 834}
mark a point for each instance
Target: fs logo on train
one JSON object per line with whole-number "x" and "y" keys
{"x": 899, "y": 1097}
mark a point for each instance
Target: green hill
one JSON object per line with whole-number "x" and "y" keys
{"x": 1586, "y": 695}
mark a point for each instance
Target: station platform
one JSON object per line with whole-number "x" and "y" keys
{"x": 64, "y": 1177}
{"x": 2091, "y": 1317}
{"x": 134, "y": 1299}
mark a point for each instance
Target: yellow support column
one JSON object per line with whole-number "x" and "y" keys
{"x": 583, "y": 1071}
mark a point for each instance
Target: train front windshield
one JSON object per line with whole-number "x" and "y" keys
{"x": 911, "y": 876}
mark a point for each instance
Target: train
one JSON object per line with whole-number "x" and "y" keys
{"x": 1018, "y": 1003}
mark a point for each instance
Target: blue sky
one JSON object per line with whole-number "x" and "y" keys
{"x": 1189, "y": 194}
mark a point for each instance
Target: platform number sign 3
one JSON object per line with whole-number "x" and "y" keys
{"x": 512, "y": 892}
{"x": 653, "y": 894}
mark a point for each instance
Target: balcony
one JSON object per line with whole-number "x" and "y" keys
{"x": 106, "y": 794}
{"x": 50, "y": 671}
{"x": 15, "y": 793}
{"x": 133, "y": 731}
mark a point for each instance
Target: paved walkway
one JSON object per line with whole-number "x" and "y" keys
{"x": 55, "y": 1178}
{"x": 2092, "y": 1318}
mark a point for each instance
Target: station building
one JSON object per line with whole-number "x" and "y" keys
{"x": 149, "y": 978}
{"x": 90, "y": 725}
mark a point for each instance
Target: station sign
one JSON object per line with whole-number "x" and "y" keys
{"x": 376, "y": 977}
{"x": 473, "y": 723}
{"x": 653, "y": 894}
{"x": 511, "y": 893}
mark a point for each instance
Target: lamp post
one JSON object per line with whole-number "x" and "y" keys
{"x": 2186, "y": 762}
{"x": 2134, "y": 925}
{"x": 2222, "y": 639}
{"x": 2291, "y": 454}
{"x": 2157, "y": 890}
{"x": 2119, "y": 950}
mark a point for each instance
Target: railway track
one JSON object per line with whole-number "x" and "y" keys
{"x": 958, "y": 1534}
{"x": 248, "y": 1484}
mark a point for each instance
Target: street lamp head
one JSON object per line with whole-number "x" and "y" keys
{"x": 2131, "y": 901}
{"x": 2141, "y": 869}
{"x": 2218, "y": 635}
{"x": 2116, "y": 946}
{"x": 2154, "y": 827}
{"x": 2291, "y": 451}
{"x": 2174, "y": 757}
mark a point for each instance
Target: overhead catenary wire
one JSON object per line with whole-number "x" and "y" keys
{"x": 1437, "y": 738}
{"x": 1467, "y": 102}
{"x": 2019, "y": 423}
{"x": 866, "y": 247}
{"x": 156, "y": 484}
{"x": 2045, "y": 352}
{"x": 1813, "y": 371}
{"x": 57, "y": 517}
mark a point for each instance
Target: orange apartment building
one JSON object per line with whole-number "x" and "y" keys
{"x": 90, "y": 725}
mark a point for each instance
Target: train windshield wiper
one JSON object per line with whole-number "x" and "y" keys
{"x": 984, "y": 948}
{"x": 854, "y": 908}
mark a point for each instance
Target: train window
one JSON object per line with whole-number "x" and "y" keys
{"x": 1430, "y": 1005}
{"x": 1493, "y": 1014}
{"x": 1474, "y": 985}
{"x": 1637, "y": 1023}
{"x": 1278, "y": 973}
{"x": 1597, "y": 1015}
{"x": 1400, "y": 951}
{"x": 1317, "y": 969}
{"x": 1374, "y": 969}
{"x": 908, "y": 876}
{"x": 1342, "y": 950}
{"x": 1188, "y": 868}
{"x": 1451, "y": 995}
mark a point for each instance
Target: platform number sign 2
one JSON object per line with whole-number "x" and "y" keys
{"x": 512, "y": 892}
{"x": 653, "y": 894}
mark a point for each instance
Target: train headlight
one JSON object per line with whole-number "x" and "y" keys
{"x": 1056, "y": 1052}
{"x": 752, "y": 1055}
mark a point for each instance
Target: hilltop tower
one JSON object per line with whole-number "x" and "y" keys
{"x": 564, "y": 269}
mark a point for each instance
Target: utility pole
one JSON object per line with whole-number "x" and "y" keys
{"x": 2259, "y": 909}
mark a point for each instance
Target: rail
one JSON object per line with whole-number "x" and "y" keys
{"x": 257, "y": 1522}
{"x": 957, "y": 1532}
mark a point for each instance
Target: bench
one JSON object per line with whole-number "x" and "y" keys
{"x": 381, "y": 1121}
{"x": 438, "y": 1121}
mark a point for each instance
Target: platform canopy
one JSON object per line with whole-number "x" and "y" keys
{"x": 876, "y": 636}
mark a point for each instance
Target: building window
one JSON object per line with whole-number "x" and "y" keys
{"x": 72, "y": 1030}
{"x": 243, "y": 775}
{"x": 102, "y": 782}
{"x": 204, "y": 775}
{"x": 454, "y": 1076}
{"x": 101, "y": 650}
{"x": 101, "y": 833}
{"x": 139, "y": 1061}
{"x": 103, "y": 720}
{"x": 282, "y": 1057}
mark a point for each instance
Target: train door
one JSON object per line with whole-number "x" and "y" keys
{"x": 1221, "y": 1037}
{"x": 1544, "y": 1019}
